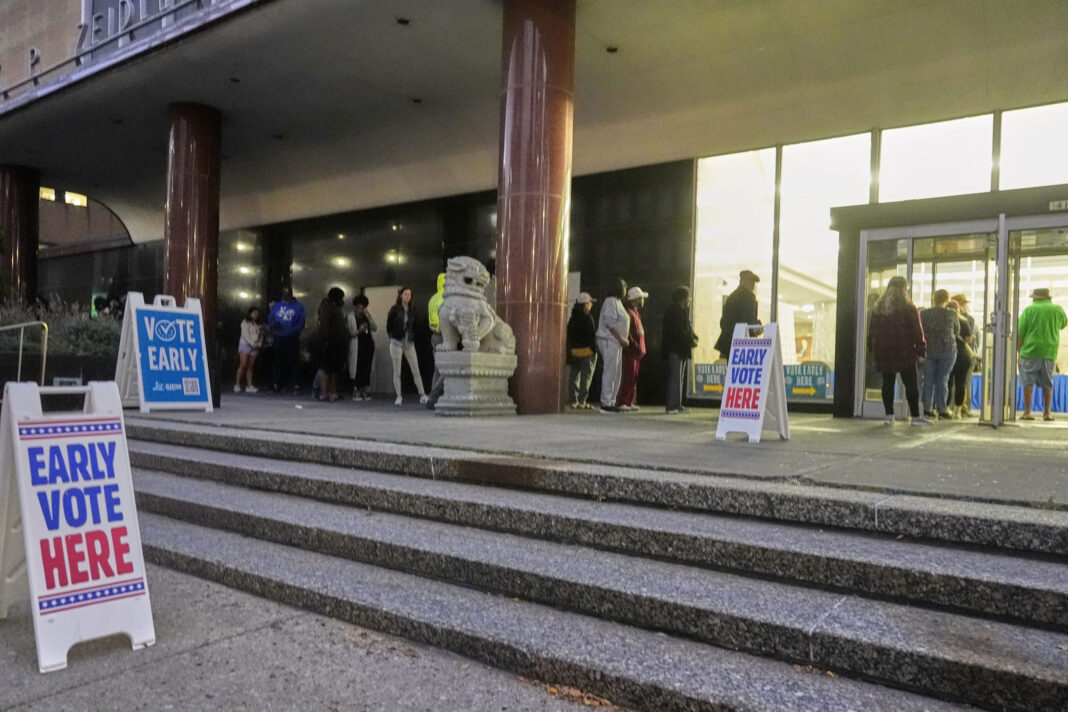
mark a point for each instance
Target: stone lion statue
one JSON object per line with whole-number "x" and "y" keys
{"x": 465, "y": 316}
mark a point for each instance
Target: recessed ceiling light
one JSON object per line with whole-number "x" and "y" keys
{"x": 235, "y": 80}
{"x": 278, "y": 137}
{"x": 611, "y": 49}
{"x": 403, "y": 21}
{"x": 417, "y": 100}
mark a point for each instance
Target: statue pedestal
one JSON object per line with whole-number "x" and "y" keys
{"x": 475, "y": 383}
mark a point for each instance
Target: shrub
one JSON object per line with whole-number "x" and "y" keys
{"x": 71, "y": 329}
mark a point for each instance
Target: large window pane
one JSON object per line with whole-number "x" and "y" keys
{"x": 815, "y": 177}
{"x": 947, "y": 158}
{"x": 1034, "y": 147}
{"x": 735, "y": 213}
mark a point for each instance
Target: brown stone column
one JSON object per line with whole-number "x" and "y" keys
{"x": 20, "y": 189}
{"x": 533, "y": 195}
{"x": 191, "y": 237}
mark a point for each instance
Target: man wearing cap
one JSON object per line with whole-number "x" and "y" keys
{"x": 740, "y": 308}
{"x": 973, "y": 342}
{"x": 581, "y": 350}
{"x": 633, "y": 352}
{"x": 1038, "y": 339}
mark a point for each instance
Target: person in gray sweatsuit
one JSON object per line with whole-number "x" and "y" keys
{"x": 612, "y": 330}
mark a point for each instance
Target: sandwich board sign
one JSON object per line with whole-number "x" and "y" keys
{"x": 68, "y": 521}
{"x": 162, "y": 362}
{"x": 754, "y": 388}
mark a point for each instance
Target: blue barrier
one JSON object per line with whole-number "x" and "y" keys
{"x": 1060, "y": 395}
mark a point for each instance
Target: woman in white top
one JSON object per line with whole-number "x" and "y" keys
{"x": 613, "y": 328}
{"x": 248, "y": 348}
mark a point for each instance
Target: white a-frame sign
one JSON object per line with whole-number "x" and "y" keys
{"x": 755, "y": 387}
{"x": 162, "y": 363}
{"x": 69, "y": 537}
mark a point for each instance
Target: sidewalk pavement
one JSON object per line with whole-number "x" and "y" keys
{"x": 1019, "y": 463}
{"x": 221, "y": 649}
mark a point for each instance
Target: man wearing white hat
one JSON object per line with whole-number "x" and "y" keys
{"x": 633, "y": 352}
{"x": 1038, "y": 339}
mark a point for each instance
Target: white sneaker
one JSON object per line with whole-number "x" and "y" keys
{"x": 424, "y": 399}
{"x": 237, "y": 389}
{"x": 399, "y": 401}
{"x": 888, "y": 420}
{"x": 252, "y": 389}
{"x": 921, "y": 421}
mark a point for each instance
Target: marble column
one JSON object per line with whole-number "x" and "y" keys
{"x": 534, "y": 189}
{"x": 191, "y": 237}
{"x": 20, "y": 189}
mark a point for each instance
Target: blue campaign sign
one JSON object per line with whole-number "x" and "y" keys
{"x": 171, "y": 353}
{"x": 804, "y": 381}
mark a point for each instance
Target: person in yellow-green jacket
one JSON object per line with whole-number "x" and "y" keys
{"x": 437, "y": 385}
{"x": 1038, "y": 339}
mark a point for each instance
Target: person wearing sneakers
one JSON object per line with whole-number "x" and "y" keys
{"x": 1038, "y": 338}
{"x": 974, "y": 344}
{"x": 612, "y": 330}
{"x": 941, "y": 327}
{"x": 896, "y": 343}
{"x": 361, "y": 346}
{"x": 400, "y": 325}
{"x": 633, "y": 352}
{"x": 581, "y": 350}
{"x": 677, "y": 342}
{"x": 248, "y": 348}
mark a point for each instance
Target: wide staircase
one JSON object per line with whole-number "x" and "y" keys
{"x": 657, "y": 590}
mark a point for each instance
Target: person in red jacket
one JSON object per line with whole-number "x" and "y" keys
{"x": 896, "y": 343}
{"x": 633, "y": 352}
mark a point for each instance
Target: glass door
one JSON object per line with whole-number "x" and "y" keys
{"x": 953, "y": 256}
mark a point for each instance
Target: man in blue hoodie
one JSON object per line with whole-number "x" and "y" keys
{"x": 285, "y": 322}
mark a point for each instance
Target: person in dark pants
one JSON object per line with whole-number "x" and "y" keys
{"x": 962, "y": 368}
{"x": 285, "y": 322}
{"x": 677, "y": 341}
{"x": 333, "y": 341}
{"x": 581, "y": 351}
{"x": 740, "y": 308}
{"x": 896, "y": 343}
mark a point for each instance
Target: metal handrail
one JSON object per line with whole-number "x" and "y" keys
{"x": 22, "y": 333}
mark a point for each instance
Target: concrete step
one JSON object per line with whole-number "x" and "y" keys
{"x": 996, "y": 665}
{"x": 1027, "y": 589}
{"x": 646, "y": 670}
{"x": 968, "y": 522}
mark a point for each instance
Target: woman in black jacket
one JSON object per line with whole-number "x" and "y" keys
{"x": 676, "y": 347}
{"x": 582, "y": 350}
{"x": 400, "y": 325}
{"x": 333, "y": 342}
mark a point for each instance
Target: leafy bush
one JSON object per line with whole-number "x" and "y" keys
{"x": 71, "y": 330}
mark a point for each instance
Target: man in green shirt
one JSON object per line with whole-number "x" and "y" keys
{"x": 1038, "y": 339}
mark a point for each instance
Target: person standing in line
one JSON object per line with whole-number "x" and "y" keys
{"x": 582, "y": 350}
{"x": 286, "y": 322}
{"x": 437, "y": 383}
{"x": 896, "y": 343}
{"x": 941, "y": 327}
{"x": 1038, "y": 339}
{"x": 400, "y": 325}
{"x": 962, "y": 367}
{"x": 333, "y": 342}
{"x": 361, "y": 347}
{"x": 633, "y": 352}
{"x": 975, "y": 343}
{"x": 613, "y": 326}
{"x": 248, "y": 348}
{"x": 677, "y": 341}
{"x": 739, "y": 308}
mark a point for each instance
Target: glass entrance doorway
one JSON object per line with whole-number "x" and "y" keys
{"x": 996, "y": 264}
